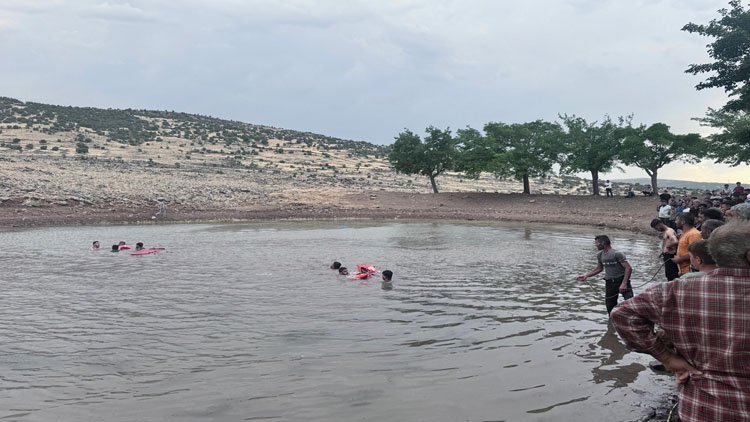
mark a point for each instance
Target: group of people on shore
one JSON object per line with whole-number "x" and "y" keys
{"x": 365, "y": 271}
{"x": 697, "y": 323}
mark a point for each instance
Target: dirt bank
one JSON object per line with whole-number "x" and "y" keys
{"x": 618, "y": 212}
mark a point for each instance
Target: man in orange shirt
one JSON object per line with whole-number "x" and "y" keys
{"x": 686, "y": 222}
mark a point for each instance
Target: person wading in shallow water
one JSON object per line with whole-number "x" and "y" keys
{"x": 616, "y": 269}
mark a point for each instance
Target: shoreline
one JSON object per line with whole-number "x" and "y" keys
{"x": 631, "y": 214}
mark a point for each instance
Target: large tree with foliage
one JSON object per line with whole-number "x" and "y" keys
{"x": 429, "y": 157}
{"x": 732, "y": 144}
{"x": 520, "y": 151}
{"x": 730, "y": 50}
{"x": 651, "y": 148}
{"x": 730, "y": 70}
{"x": 590, "y": 147}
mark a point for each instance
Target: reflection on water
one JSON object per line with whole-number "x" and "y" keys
{"x": 247, "y": 322}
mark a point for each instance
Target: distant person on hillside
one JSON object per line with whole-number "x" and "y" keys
{"x": 95, "y": 246}
{"x": 608, "y": 187}
{"x": 647, "y": 191}
{"x": 738, "y": 190}
{"x": 725, "y": 191}
{"x": 669, "y": 244}
{"x": 629, "y": 192}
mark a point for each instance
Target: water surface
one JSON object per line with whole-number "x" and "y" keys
{"x": 246, "y": 322}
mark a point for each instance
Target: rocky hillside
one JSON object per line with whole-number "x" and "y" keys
{"x": 68, "y": 155}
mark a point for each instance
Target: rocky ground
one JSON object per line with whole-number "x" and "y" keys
{"x": 43, "y": 191}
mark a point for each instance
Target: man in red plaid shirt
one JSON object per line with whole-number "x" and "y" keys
{"x": 708, "y": 320}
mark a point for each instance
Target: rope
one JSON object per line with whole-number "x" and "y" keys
{"x": 658, "y": 270}
{"x": 669, "y": 417}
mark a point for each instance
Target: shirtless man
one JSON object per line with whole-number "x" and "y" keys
{"x": 668, "y": 248}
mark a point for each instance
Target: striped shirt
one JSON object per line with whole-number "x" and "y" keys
{"x": 708, "y": 319}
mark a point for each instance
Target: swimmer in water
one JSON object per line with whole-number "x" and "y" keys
{"x": 115, "y": 248}
{"x": 139, "y": 246}
{"x": 95, "y": 246}
{"x": 336, "y": 265}
{"x": 343, "y": 271}
{"x": 387, "y": 280}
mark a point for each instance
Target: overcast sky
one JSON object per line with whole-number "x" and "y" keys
{"x": 367, "y": 69}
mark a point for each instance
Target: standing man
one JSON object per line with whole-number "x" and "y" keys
{"x": 706, "y": 319}
{"x": 617, "y": 271}
{"x": 665, "y": 211}
{"x": 608, "y": 188}
{"x": 668, "y": 248}
{"x": 686, "y": 223}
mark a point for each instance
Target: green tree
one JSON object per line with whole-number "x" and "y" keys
{"x": 651, "y": 148}
{"x": 520, "y": 151}
{"x": 731, "y": 66}
{"x": 590, "y": 147}
{"x": 527, "y": 149}
{"x": 431, "y": 157}
{"x": 730, "y": 69}
{"x": 732, "y": 144}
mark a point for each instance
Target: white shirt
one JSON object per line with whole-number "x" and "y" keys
{"x": 664, "y": 211}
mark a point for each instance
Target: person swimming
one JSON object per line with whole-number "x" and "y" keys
{"x": 387, "y": 280}
{"x": 343, "y": 271}
{"x": 115, "y": 248}
{"x": 139, "y": 246}
{"x": 336, "y": 265}
{"x": 95, "y": 246}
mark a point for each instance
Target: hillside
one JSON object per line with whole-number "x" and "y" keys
{"x": 79, "y": 160}
{"x": 51, "y": 140}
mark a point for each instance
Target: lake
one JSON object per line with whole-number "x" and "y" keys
{"x": 485, "y": 322}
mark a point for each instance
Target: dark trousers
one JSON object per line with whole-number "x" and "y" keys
{"x": 671, "y": 270}
{"x": 612, "y": 290}
{"x": 609, "y": 191}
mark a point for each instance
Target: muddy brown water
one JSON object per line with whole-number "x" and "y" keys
{"x": 246, "y": 322}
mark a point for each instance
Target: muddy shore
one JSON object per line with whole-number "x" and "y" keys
{"x": 632, "y": 214}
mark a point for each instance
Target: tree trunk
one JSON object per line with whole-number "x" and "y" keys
{"x": 434, "y": 185}
{"x": 654, "y": 188}
{"x": 526, "y": 187}
{"x": 595, "y": 181}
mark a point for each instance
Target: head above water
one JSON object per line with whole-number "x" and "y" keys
{"x": 96, "y": 244}
{"x": 343, "y": 271}
{"x": 115, "y": 248}
{"x": 387, "y": 275}
{"x": 336, "y": 265}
